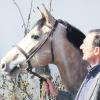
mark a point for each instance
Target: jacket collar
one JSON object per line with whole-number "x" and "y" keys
{"x": 92, "y": 71}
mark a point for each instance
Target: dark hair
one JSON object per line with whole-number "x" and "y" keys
{"x": 96, "y": 41}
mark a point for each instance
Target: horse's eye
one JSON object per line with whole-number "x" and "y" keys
{"x": 35, "y": 37}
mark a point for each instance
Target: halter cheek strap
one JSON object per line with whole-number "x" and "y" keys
{"x": 51, "y": 40}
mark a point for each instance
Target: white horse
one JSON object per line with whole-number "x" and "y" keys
{"x": 50, "y": 41}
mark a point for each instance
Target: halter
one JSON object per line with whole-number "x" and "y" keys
{"x": 37, "y": 48}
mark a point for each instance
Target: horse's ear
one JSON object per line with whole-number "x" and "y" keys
{"x": 41, "y": 13}
{"x": 49, "y": 18}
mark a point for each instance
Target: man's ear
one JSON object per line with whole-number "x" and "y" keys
{"x": 97, "y": 51}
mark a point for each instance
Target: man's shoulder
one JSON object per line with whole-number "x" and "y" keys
{"x": 97, "y": 79}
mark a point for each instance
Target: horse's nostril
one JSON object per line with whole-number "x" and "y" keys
{"x": 3, "y": 66}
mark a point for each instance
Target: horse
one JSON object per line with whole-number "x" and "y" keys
{"x": 50, "y": 41}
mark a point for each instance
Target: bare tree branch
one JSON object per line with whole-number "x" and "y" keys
{"x": 50, "y": 5}
{"x": 26, "y": 26}
{"x": 29, "y": 17}
{"x": 19, "y": 13}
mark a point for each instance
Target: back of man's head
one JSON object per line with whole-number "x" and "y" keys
{"x": 96, "y": 41}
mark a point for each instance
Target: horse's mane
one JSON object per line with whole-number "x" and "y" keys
{"x": 74, "y": 35}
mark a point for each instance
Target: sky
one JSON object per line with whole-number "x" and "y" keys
{"x": 83, "y": 14}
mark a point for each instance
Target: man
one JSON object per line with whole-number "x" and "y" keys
{"x": 90, "y": 88}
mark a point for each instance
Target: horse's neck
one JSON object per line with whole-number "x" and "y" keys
{"x": 69, "y": 62}
{"x": 71, "y": 67}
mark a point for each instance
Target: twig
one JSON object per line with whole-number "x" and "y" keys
{"x": 20, "y": 13}
{"x": 50, "y": 5}
{"x": 29, "y": 17}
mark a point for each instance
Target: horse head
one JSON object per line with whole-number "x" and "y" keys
{"x": 30, "y": 44}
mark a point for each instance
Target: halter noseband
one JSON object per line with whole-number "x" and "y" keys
{"x": 36, "y": 49}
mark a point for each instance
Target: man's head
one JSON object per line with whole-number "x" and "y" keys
{"x": 91, "y": 47}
